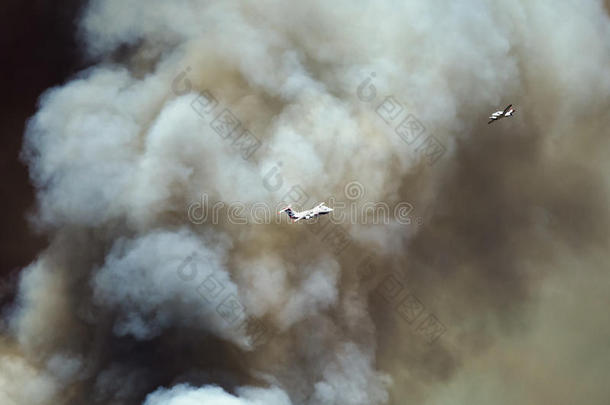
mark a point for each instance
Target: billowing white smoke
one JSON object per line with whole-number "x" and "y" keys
{"x": 185, "y": 395}
{"x": 121, "y": 153}
{"x": 146, "y": 310}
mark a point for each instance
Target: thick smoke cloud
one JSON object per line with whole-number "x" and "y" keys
{"x": 134, "y": 302}
{"x": 182, "y": 394}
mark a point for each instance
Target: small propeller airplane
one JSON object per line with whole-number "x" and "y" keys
{"x": 319, "y": 209}
{"x": 508, "y": 111}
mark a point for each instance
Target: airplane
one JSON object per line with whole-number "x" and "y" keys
{"x": 319, "y": 209}
{"x": 508, "y": 111}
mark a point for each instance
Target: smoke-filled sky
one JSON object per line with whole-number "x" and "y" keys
{"x": 464, "y": 263}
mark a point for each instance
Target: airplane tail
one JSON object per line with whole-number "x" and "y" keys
{"x": 288, "y": 210}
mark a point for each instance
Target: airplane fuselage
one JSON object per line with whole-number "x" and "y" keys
{"x": 509, "y": 111}
{"x": 320, "y": 209}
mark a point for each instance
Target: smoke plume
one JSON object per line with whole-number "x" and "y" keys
{"x": 486, "y": 281}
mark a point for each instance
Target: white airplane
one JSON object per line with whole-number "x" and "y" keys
{"x": 508, "y": 111}
{"x": 319, "y": 209}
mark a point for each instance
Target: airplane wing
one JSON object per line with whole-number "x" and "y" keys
{"x": 506, "y": 109}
